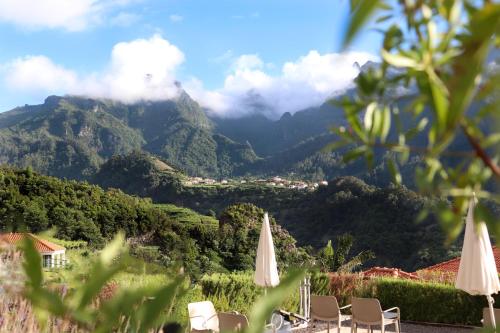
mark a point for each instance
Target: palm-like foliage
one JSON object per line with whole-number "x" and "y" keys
{"x": 338, "y": 260}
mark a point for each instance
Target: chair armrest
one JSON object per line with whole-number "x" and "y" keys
{"x": 205, "y": 320}
{"x": 270, "y": 327}
{"x": 392, "y": 309}
{"x": 199, "y": 316}
{"x": 346, "y": 307}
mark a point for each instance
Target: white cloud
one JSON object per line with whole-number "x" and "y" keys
{"x": 140, "y": 69}
{"x": 71, "y": 15}
{"x": 124, "y": 19}
{"x": 38, "y": 73}
{"x": 145, "y": 69}
{"x": 175, "y": 18}
{"x": 227, "y": 56}
{"x": 305, "y": 82}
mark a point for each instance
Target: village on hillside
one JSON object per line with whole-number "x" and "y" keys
{"x": 275, "y": 181}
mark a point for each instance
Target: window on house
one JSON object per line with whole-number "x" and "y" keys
{"x": 46, "y": 260}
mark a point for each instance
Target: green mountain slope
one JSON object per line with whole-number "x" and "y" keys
{"x": 381, "y": 219}
{"x": 63, "y": 138}
{"x": 171, "y": 234}
{"x": 269, "y": 137}
{"x": 71, "y": 136}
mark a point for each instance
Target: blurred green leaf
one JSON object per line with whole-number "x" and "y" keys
{"x": 398, "y": 60}
{"x": 161, "y": 300}
{"x": 361, "y": 11}
{"x": 264, "y": 307}
{"x": 394, "y": 171}
{"x": 101, "y": 272}
{"x": 383, "y": 18}
{"x": 386, "y": 124}
{"x": 354, "y": 154}
{"x": 483, "y": 25}
{"x": 440, "y": 100}
{"x": 32, "y": 263}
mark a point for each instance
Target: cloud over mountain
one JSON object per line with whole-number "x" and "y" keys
{"x": 302, "y": 83}
{"x": 139, "y": 69}
{"x": 145, "y": 69}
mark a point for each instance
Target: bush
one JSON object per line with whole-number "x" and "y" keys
{"x": 344, "y": 286}
{"x": 180, "y": 309}
{"x": 238, "y": 292}
{"x": 428, "y": 302}
{"x": 320, "y": 284}
{"x": 146, "y": 253}
{"x": 418, "y": 301}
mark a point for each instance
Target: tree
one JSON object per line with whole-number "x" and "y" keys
{"x": 239, "y": 230}
{"x": 432, "y": 92}
{"x": 336, "y": 260}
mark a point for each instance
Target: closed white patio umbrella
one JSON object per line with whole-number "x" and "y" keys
{"x": 477, "y": 274}
{"x": 266, "y": 268}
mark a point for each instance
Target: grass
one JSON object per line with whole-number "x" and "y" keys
{"x": 186, "y": 215}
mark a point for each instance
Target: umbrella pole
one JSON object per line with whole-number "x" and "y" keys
{"x": 492, "y": 313}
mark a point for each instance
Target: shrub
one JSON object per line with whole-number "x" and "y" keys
{"x": 437, "y": 276}
{"x": 344, "y": 286}
{"x": 146, "y": 253}
{"x": 320, "y": 284}
{"x": 418, "y": 301}
{"x": 428, "y": 302}
{"x": 237, "y": 291}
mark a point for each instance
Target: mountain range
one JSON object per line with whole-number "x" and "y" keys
{"x": 71, "y": 136}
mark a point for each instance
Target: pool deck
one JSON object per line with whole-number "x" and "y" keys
{"x": 405, "y": 328}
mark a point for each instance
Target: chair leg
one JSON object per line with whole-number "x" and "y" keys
{"x": 398, "y": 326}
{"x": 339, "y": 326}
{"x": 382, "y": 328}
{"x": 328, "y": 326}
{"x": 371, "y": 329}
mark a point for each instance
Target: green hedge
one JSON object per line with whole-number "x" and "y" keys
{"x": 234, "y": 291}
{"x": 237, "y": 291}
{"x": 418, "y": 301}
{"x": 428, "y": 302}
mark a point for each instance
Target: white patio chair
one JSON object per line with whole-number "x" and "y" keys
{"x": 367, "y": 311}
{"x": 326, "y": 308}
{"x": 204, "y": 318}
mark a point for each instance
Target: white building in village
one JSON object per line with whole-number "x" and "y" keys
{"x": 53, "y": 255}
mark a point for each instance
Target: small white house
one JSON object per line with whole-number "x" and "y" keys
{"x": 53, "y": 255}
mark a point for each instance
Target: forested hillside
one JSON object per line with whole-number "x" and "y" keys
{"x": 381, "y": 219}
{"x": 73, "y": 136}
{"x": 167, "y": 234}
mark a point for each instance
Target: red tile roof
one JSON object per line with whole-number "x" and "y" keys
{"x": 451, "y": 266}
{"x": 388, "y": 272}
{"x": 42, "y": 245}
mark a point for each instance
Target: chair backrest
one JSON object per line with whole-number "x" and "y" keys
{"x": 366, "y": 309}
{"x": 487, "y": 317}
{"x": 324, "y": 307}
{"x": 202, "y": 316}
{"x": 232, "y": 322}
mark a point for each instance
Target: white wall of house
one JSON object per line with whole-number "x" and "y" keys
{"x": 54, "y": 259}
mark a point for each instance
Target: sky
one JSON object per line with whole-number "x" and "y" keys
{"x": 225, "y": 53}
